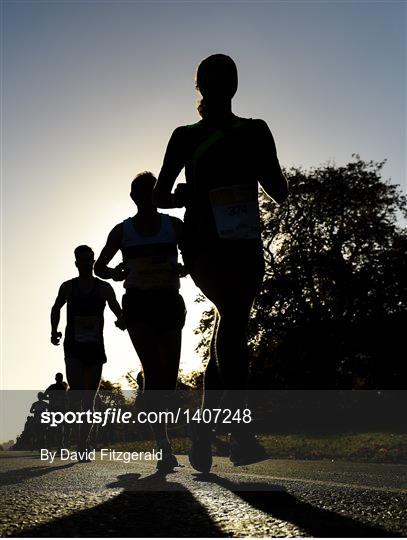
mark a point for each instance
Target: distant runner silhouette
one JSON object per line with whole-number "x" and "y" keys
{"x": 86, "y": 297}
{"x": 154, "y": 310}
{"x": 56, "y": 393}
{"x": 57, "y": 397}
{"x": 38, "y": 429}
{"x": 225, "y": 157}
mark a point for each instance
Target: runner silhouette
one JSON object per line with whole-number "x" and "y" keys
{"x": 56, "y": 393}
{"x": 57, "y": 399}
{"x": 39, "y": 429}
{"x": 225, "y": 157}
{"x": 154, "y": 310}
{"x": 86, "y": 297}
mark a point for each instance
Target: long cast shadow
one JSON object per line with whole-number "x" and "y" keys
{"x": 153, "y": 506}
{"x": 148, "y": 507}
{"x": 278, "y": 503}
{"x": 29, "y": 455}
{"x": 17, "y": 476}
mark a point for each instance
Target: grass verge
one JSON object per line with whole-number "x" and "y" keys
{"x": 362, "y": 447}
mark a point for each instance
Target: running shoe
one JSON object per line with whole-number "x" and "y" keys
{"x": 200, "y": 453}
{"x": 246, "y": 450}
{"x": 168, "y": 461}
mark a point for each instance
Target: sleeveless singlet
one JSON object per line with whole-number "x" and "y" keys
{"x": 84, "y": 329}
{"x": 151, "y": 260}
{"x": 220, "y": 170}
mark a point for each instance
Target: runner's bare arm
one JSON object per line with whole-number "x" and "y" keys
{"x": 56, "y": 312}
{"x": 112, "y": 246}
{"x": 172, "y": 165}
{"x": 178, "y": 225}
{"x": 114, "y": 305}
{"x": 271, "y": 177}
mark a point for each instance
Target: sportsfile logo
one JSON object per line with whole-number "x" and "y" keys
{"x": 109, "y": 416}
{"x": 117, "y": 416}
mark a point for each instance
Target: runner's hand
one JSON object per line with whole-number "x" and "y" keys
{"x": 120, "y": 323}
{"x": 181, "y": 195}
{"x": 120, "y": 272}
{"x": 55, "y": 337}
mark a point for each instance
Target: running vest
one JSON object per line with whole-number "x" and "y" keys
{"x": 151, "y": 260}
{"x": 225, "y": 190}
{"x": 84, "y": 328}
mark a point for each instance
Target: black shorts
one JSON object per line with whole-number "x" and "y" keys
{"x": 88, "y": 354}
{"x": 160, "y": 309}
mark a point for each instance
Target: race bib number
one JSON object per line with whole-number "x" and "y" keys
{"x": 152, "y": 273}
{"x": 236, "y": 212}
{"x": 87, "y": 329}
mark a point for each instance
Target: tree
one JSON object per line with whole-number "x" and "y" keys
{"x": 111, "y": 395}
{"x": 333, "y": 302}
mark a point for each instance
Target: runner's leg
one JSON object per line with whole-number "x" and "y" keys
{"x": 213, "y": 386}
{"x": 231, "y": 285}
{"x": 92, "y": 374}
{"x": 83, "y": 380}
{"x": 74, "y": 377}
{"x": 231, "y": 281}
{"x": 145, "y": 340}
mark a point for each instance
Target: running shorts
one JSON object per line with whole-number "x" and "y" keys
{"x": 160, "y": 309}
{"x": 87, "y": 353}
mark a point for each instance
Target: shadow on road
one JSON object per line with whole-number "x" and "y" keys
{"x": 157, "y": 506}
{"x": 18, "y": 455}
{"x": 17, "y": 476}
{"x": 280, "y": 504}
{"x": 149, "y": 507}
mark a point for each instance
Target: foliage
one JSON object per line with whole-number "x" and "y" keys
{"x": 110, "y": 395}
{"x": 190, "y": 380}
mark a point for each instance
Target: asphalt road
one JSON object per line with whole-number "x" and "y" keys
{"x": 274, "y": 498}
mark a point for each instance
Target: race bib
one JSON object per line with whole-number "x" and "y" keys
{"x": 236, "y": 211}
{"x": 87, "y": 329}
{"x": 154, "y": 272}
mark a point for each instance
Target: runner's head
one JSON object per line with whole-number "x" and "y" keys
{"x": 59, "y": 377}
{"x": 216, "y": 80}
{"x": 140, "y": 380}
{"x": 142, "y": 189}
{"x": 84, "y": 259}
{"x": 40, "y": 396}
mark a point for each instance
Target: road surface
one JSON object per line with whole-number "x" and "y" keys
{"x": 276, "y": 498}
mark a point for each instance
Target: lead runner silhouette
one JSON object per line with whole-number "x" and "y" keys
{"x": 225, "y": 158}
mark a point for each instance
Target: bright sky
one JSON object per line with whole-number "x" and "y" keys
{"x": 91, "y": 91}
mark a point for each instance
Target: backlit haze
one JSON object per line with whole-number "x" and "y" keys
{"x": 91, "y": 92}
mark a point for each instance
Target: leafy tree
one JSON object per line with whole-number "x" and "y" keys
{"x": 332, "y": 307}
{"x": 111, "y": 395}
